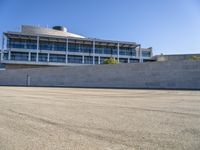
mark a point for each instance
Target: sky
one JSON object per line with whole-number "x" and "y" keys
{"x": 169, "y": 26}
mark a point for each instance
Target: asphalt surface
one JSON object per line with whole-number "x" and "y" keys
{"x": 98, "y": 119}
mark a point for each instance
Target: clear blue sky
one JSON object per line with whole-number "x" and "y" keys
{"x": 169, "y": 26}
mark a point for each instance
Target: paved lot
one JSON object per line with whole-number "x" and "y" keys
{"x": 98, "y": 119}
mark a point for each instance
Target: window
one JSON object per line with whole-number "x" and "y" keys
{"x": 16, "y": 43}
{"x": 33, "y": 56}
{"x": 106, "y": 50}
{"x": 19, "y": 56}
{"x": 5, "y": 56}
{"x": 59, "y": 46}
{"x": 96, "y": 60}
{"x": 22, "y": 43}
{"x": 127, "y": 51}
{"x": 57, "y": 58}
{"x": 123, "y": 60}
{"x": 74, "y": 48}
{"x": 46, "y": 45}
{"x": 74, "y": 59}
{"x": 86, "y": 48}
{"x": 146, "y": 54}
{"x": 42, "y": 57}
{"x": 134, "y": 60}
{"x": 31, "y": 44}
{"x": 88, "y": 60}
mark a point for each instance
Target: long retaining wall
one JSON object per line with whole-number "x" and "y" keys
{"x": 163, "y": 75}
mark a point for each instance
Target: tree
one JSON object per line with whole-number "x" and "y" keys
{"x": 110, "y": 60}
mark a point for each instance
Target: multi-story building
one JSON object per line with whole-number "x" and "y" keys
{"x": 34, "y": 46}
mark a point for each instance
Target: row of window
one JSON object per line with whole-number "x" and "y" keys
{"x": 21, "y": 56}
{"x": 31, "y": 44}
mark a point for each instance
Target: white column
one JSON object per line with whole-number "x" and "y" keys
{"x": 99, "y": 58}
{"x": 48, "y": 55}
{"x": 140, "y": 54}
{"x": 93, "y": 52}
{"x": 38, "y": 42}
{"x": 29, "y": 56}
{"x": 151, "y": 49}
{"x": 2, "y": 49}
{"x": 128, "y": 60}
{"x": 118, "y": 52}
{"x": 67, "y": 48}
{"x": 83, "y": 57}
{"x": 9, "y": 55}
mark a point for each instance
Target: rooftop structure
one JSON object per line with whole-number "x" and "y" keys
{"x": 56, "y": 46}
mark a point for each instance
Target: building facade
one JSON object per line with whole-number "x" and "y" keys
{"x": 35, "y": 46}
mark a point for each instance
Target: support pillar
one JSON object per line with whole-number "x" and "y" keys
{"x": 38, "y": 42}
{"x": 99, "y": 60}
{"x": 118, "y": 52}
{"x": 48, "y": 55}
{"x": 83, "y": 59}
{"x": 140, "y": 54}
{"x": 93, "y": 52}
{"x": 2, "y": 49}
{"x": 151, "y": 49}
{"x": 67, "y": 47}
{"x": 29, "y": 56}
{"x": 9, "y": 55}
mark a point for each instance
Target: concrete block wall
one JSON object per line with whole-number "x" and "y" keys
{"x": 164, "y": 75}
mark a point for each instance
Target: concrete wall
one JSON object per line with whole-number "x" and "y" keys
{"x": 178, "y": 57}
{"x": 171, "y": 75}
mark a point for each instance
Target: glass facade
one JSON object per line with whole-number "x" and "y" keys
{"x": 146, "y": 54}
{"x": 72, "y": 47}
{"x": 74, "y": 59}
{"x": 81, "y": 48}
{"x": 127, "y": 51}
{"x": 19, "y": 56}
{"x": 5, "y": 56}
{"x": 57, "y": 58}
{"x": 96, "y": 60}
{"x": 103, "y": 50}
{"x": 134, "y": 60}
{"x": 53, "y": 46}
{"x": 123, "y": 60}
{"x": 22, "y": 43}
{"x": 33, "y": 56}
{"x": 88, "y": 60}
{"x": 42, "y": 57}
{"x": 45, "y": 45}
{"x": 60, "y": 46}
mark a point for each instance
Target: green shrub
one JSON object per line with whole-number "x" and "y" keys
{"x": 110, "y": 60}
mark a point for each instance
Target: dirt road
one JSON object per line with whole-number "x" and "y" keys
{"x": 98, "y": 119}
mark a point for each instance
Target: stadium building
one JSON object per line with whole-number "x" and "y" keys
{"x": 36, "y": 46}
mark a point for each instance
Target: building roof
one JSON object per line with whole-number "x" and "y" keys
{"x": 27, "y": 29}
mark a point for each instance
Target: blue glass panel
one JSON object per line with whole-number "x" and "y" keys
{"x": 74, "y": 59}
{"x": 19, "y": 56}
{"x": 57, "y": 58}
{"x": 43, "y": 57}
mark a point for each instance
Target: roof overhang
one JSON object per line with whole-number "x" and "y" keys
{"x": 20, "y": 35}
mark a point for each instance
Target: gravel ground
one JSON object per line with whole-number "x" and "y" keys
{"x": 98, "y": 119}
